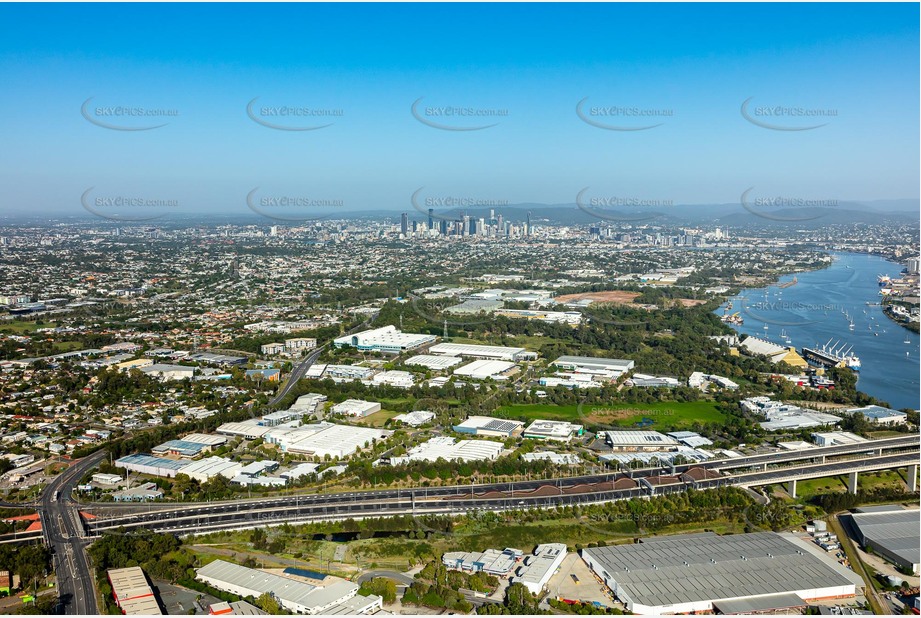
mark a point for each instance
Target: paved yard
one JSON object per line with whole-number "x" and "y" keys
{"x": 177, "y": 600}
{"x": 587, "y": 590}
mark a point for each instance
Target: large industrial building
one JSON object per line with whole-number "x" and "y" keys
{"x": 488, "y": 426}
{"x": 295, "y": 596}
{"x": 786, "y": 417}
{"x": 878, "y": 415}
{"x": 435, "y": 363}
{"x": 323, "y": 439}
{"x": 356, "y": 407}
{"x": 387, "y": 340}
{"x": 604, "y": 367}
{"x": 891, "y": 532}
{"x": 491, "y": 561}
{"x": 487, "y": 369}
{"x": 553, "y": 430}
{"x": 448, "y": 449}
{"x": 743, "y": 573}
{"x": 638, "y": 441}
{"x": 132, "y": 592}
{"x": 537, "y": 570}
{"x": 206, "y": 469}
{"x": 148, "y": 464}
{"x": 485, "y": 352}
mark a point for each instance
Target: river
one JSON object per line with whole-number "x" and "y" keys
{"x": 820, "y": 306}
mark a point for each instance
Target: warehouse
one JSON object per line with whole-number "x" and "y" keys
{"x": 169, "y": 372}
{"x": 323, "y": 439}
{"x": 141, "y": 493}
{"x": 358, "y": 408}
{"x": 486, "y": 352}
{"x": 209, "y": 440}
{"x": 891, "y": 532}
{"x": 448, "y": 449}
{"x": 879, "y": 415}
{"x": 295, "y": 596}
{"x": 281, "y": 417}
{"x": 559, "y": 459}
{"x": 539, "y": 568}
{"x": 148, "y": 464}
{"x": 246, "y": 429}
{"x": 698, "y": 572}
{"x": 347, "y": 373}
{"x": 415, "y": 418}
{"x": 399, "y": 379}
{"x": 488, "y": 426}
{"x": 587, "y": 364}
{"x": 107, "y": 479}
{"x": 210, "y": 467}
{"x": 435, "y": 363}
{"x": 299, "y": 471}
{"x": 553, "y": 430}
{"x": 491, "y": 561}
{"x": 387, "y": 340}
{"x": 179, "y": 448}
{"x": 487, "y": 369}
{"x": 132, "y": 592}
{"x": 638, "y": 441}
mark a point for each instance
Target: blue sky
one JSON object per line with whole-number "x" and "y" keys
{"x": 535, "y": 62}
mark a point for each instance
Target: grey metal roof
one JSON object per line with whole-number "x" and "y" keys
{"x": 895, "y": 532}
{"x": 759, "y": 604}
{"x": 707, "y": 567}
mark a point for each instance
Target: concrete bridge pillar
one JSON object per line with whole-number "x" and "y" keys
{"x": 791, "y": 488}
{"x": 913, "y": 478}
{"x": 852, "y": 483}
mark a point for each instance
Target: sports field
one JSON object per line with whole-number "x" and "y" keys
{"x": 670, "y": 415}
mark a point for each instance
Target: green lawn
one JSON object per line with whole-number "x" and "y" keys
{"x": 22, "y": 327}
{"x": 378, "y": 418}
{"x": 665, "y": 415}
{"x": 838, "y": 484}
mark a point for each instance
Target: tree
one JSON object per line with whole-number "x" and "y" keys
{"x": 267, "y": 603}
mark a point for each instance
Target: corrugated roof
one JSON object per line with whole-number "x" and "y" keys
{"x": 702, "y": 567}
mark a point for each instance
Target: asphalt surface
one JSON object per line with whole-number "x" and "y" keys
{"x": 457, "y": 500}
{"x": 63, "y": 530}
{"x": 796, "y": 458}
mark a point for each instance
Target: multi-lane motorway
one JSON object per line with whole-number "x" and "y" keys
{"x": 190, "y": 517}
{"x": 63, "y": 531}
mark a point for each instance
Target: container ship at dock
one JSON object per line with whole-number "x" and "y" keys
{"x": 830, "y": 355}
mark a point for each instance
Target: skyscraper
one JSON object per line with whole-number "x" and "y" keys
{"x": 431, "y": 219}
{"x": 404, "y": 224}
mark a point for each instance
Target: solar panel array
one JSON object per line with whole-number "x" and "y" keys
{"x": 500, "y": 425}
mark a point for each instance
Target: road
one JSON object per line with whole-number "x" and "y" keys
{"x": 400, "y": 578}
{"x": 296, "y": 374}
{"x": 301, "y": 368}
{"x": 185, "y": 519}
{"x": 64, "y": 533}
{"x": 816, "y": 456}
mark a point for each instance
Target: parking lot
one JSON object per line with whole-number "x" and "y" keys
{"x": 177, "y": 600}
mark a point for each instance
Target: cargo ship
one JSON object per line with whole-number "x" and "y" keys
{"x": 832, "y": 356}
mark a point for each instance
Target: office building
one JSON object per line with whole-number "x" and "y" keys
{"x": 488, "y": 426}
{"x": 386, "y": 340}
